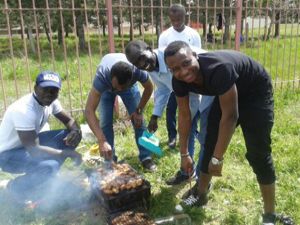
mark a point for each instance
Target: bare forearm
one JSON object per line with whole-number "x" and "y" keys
{"x": 226, "y": 130}
{"x": 93, "y": 123}
{"x": 184, "y": 127}
{"x": 144, "y": 99}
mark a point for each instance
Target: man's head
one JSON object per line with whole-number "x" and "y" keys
{"x": 177, "y": 16}
{"x": 47, "y": 86}
{"x": 141, "y": 55}
{"x": 182, "y": 61}
{"x": 121, "y": 76}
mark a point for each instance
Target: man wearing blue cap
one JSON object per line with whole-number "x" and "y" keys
{"x": 24, "y": 148}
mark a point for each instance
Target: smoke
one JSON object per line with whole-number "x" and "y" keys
{"x": 63, "y": 199}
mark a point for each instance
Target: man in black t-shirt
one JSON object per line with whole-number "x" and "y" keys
{"x": 245, "y": 98}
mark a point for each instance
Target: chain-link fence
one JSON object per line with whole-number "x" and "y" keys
{"x": 70, "y": 37}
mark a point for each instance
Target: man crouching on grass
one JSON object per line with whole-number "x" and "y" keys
{"x": 25, "y": 149}
{"x": 244, "y": 96}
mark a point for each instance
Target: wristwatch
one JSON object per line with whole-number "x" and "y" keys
{"x": 216, "y": 161}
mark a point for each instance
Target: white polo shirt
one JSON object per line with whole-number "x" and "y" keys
{"x": 25, "y": 114}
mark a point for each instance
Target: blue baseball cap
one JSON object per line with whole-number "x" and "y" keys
{"x": 48, "y": 79}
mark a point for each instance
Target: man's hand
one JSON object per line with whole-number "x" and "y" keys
{"x": 105, "y": 150}
{"x": 215, "y": 170}
{"x": 137, "y": 119}
{"x": 187, "y": 164}
{"x": 73, "y": 138}
{"x": 152, "y": 126}
{"x": 75, "y": 156}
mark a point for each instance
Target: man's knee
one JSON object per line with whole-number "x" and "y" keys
{"x": 262, "y": 165}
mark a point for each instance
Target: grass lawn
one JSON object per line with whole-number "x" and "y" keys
{"x": 234, "y": 198}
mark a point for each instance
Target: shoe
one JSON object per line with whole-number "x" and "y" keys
{"x": 195, "y": 200}
{"x": 194, "y": 190}
{"x": 269, "y": 219}
{"x": 148, "y": 164}
{"x": 179, "y": 178}
{"x": 172, "y": 143}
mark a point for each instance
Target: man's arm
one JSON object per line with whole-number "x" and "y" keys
{"x": 148, "y": 89}
{"x": 30, "y": 141}
{"x": 230, "y": 114}
{"x": 93, "y": 122}
{"x": 74, "y": 136}
{"x": 184, "y": 127}
{"x": 184, "y": 122}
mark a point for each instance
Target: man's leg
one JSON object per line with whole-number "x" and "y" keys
{"x": 257, "y": 137}
{"x": 36, "y": 171}
{"x": 171, "y": 120}
{"x": 131, "y": 99}
{"x": 105, "y": 109}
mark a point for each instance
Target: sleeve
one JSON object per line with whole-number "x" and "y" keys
{"x": 162, "y": 43}
{"x": 141, "y": 75}
{"x": 197, "y": 40}
{"x": 99, "y": 83}
{"x": 56, "y": 107}
{"x": 222, "y": 79}
{"x": 22, "y": 124}
{"x": 180, "y": 88}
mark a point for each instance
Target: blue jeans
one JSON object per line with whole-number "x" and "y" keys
{"x": 131, "y": 98}
{"x": 201, "y": 136}
{"x": 37, "y": 170}
{"x": 171, "y": 116}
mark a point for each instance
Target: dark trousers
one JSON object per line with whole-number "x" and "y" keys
{"x": 37, "y": 170}
{"x": 256, "y": 121}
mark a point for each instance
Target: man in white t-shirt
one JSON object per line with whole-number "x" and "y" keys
{"x": 24, "y": 148}
{"x": 178, "y": 31}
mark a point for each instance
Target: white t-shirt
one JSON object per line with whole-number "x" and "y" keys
{"x": 188, "y": 35}
{"x": 25, "y": 114}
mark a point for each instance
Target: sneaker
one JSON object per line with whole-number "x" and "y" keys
{"x": 194, "y": 190}
{"x": 149, "y": 165}
{"x": 269, "y": 219}
{"x": 172, "y": 143}
{"x": 195, "y": 200}
{"x": 179, "y": 178}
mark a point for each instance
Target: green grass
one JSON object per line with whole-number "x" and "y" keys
{"x": 235, "y": 197}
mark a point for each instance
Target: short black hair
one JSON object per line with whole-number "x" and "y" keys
{"x": 134, "y": 50}
{"x": 122, "y": 71}
{"x": 174, "y": 47}
{"x": 177, "y": 8}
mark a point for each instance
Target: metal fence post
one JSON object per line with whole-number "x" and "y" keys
{"x": 238, "y": 24}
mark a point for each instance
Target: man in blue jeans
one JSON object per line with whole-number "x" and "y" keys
{"x": 24, "y": 148}
{"x": 144, "y": 58}
{"x": 116, "y": 76}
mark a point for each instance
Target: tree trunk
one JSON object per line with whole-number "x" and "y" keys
{"x": 277, "y": 24}
{"x": 80, "y": 31}
{"x": 119, "y": 26}
{"x": 47, "y": 32}
{"x": 140, "y": 29}
{"x": 271, "y": 24}
{"x": 103, "y": 28}
{"x": 31, "y": 39}
{"x": 204, "y": 29}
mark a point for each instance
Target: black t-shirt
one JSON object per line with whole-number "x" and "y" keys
{"x": 221, "y": 69}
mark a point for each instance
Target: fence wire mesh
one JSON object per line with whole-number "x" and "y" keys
{"x": 71, "y": 36}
